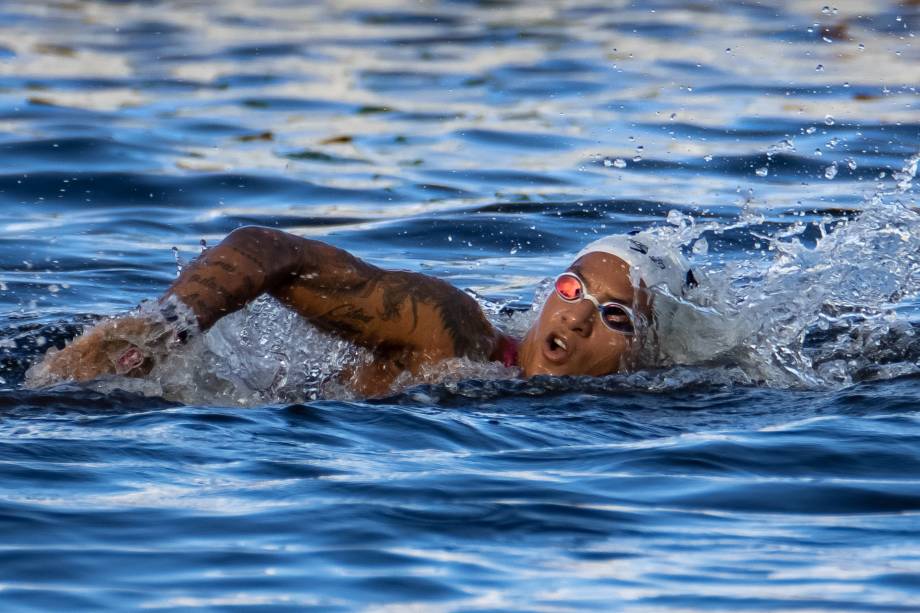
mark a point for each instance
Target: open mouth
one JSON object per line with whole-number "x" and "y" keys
{"x": 555, "y": 348}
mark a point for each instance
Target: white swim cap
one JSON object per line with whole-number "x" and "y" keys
{"x": 658, "y": 266}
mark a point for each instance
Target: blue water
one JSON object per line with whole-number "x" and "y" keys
{"x": 483, "y": 142}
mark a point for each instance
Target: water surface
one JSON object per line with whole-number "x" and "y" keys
{"x": 483, "y": 142}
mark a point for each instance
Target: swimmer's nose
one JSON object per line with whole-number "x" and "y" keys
{"x": 579, "y": 317}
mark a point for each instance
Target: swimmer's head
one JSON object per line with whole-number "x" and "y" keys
{"x": 600, "y": 307}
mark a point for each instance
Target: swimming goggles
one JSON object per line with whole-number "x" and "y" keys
{"x": 616, "y": 316}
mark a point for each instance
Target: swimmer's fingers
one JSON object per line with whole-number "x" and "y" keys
{"x": 82, "y": 360}
{"x": 105, "y": 349}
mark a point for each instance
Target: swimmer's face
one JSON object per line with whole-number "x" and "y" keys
{"x": 569, "y": 338}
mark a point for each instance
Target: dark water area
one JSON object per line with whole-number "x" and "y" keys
{"x": 486, "y": 143}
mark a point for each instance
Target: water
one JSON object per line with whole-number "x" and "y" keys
{"x": 486, "y": 143}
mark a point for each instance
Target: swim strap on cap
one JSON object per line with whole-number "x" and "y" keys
{"x": 648, "y": 261}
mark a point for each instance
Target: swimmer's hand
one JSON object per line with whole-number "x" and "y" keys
{"x": 114, "y": 347}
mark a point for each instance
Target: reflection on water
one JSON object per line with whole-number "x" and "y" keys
{"x": 485, "y": 142}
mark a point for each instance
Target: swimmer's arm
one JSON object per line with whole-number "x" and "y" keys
{"x": 407, "y": 319}
{"x": 397, "y": 313}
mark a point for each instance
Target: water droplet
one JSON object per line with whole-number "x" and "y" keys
{"x": 851, "y": 164}
{"x": 811, "y": 130}
{"x": 861, "y": 47}
{"x": 828, "y": 120}
{"x": 707, "y": 158}
{"x": 608, "y": 162}
{"x": 701, "y": 247}
{"x": 831, "y": 171}
{"x": 619, "y": 163}
{"x": 819, "y": 67}
{"x": 826, "y": 10}
{"x": 178, "y": 258}
{"x": 832, "y": 143}
{"x": 818, "y": 152}
{"x": 762, "y": 171}
{"x": 675, "y": 217}
{"x": 783, "y": 145}
{"x": 450, "y": 238}
{"x": 637, "y": 158}
{"x": 673, "y": 116}
{"x": 514, "y": 249}
{"x": 53, "y": 288}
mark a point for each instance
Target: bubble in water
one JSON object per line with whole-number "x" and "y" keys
{"x": 819, "y": 68}
{"x": 637, "y": 158}
{"x": 608, "y": 162}
{"x": 832, "y": 143}
{"x": 707, "y": 158}
{"x": 619, "y": 163}
{"x": 828, "y": 120}
{"x": 762, "y": 171}
{"x": 831, "y": 171}
{"x": 811, "y": 130}
{"x": 861, "y": 47}
{"x": 826, "y": 10}
{"x": 851, "y": 164}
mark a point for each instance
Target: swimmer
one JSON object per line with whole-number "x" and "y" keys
{"x": 589, "y": 325}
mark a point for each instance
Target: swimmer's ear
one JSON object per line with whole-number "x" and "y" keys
{"x": 129, "y": 359}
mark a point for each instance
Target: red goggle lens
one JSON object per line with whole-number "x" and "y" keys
{"x": 569, "y": 287}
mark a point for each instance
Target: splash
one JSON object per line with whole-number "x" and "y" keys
{"x": 815, "y": 315}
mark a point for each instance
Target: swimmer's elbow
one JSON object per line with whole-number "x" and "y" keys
{"x": 270, "y": 250}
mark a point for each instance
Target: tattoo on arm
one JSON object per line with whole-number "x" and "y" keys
{"x": 460, "y": 316}
{"x": 348, "y": 311}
